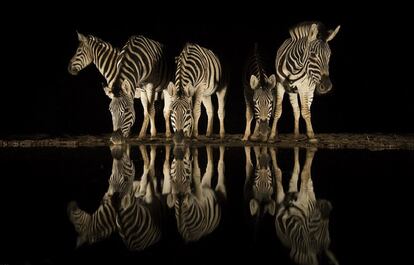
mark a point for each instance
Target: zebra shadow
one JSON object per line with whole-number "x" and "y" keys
{"x": 197, "y": 205}
{"x": 132, "y": 208}
{"x": 302, "y": 221}
{"x": 259, "y": 188}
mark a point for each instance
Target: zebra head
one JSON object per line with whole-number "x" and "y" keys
{"x": 319, "y": 54}
{"x": 263, "y": 99}
{"x": 122, "y": 177}
{"x": 83, "y": 56}
{"x": 181, "y": 178}
{"x": 181, "y": 112}
{"x": 122, "y": 111}
{"x": 262, "y": 201}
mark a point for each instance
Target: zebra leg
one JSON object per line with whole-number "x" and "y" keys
{"x": 221, "y": 98}
{"x": 167, "y": 112}
{"x": 249, "y": 164}
{"x": 280, "y": 92}
{"x": 153, "y": 154}
{"x": 254, "y": 136}
{"x": 221, "y": 186}
{"x": 306, "y": 186}
{"x": 196, "y": 113}
{"x": 146, "y": 168}
{"x": 196, "y": 174}
{"x": 210, "y": 114}
{"x": 249, "y": 118}
{"x": 208, "y": 174}
{"x": 293, "y": 183}
{"x": 306, "y": 115}
{"x": 149, "y": 88}
{"x": 144, "y": 102}
{"x": 293, "y": 97}
{"x": 280, "y": 194}
{"x": 166, "y": 187}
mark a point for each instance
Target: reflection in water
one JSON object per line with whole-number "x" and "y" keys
{"x": 259, "y": 189}
{"x": 133, "y": 208}
{"x": 197, "y": 206}
{"x": 302, "y": 221}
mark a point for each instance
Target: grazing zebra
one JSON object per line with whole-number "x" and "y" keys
{"x": 259, "y": 96}
{"x": 197, "y": 206}
{"x": 302, "y": 221}
{"x": 302, "y": 66}
{"x": 198, "y": 75}
{"x": 94, "y": 50}
{"x": 139, "y": 214}
{"x": 259, "y": 190}
{"x": 141, "y": 64}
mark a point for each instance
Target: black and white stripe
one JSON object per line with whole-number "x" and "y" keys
{"x": 141, "y": 64}
{"x": 94, "y": 50}
{"x": 302, "y": 221}
{"x": 197, "y": 206}
{"x": 302, "y": 65}
{"x": 198, "y": 75}
{"x": 258, "y": 95}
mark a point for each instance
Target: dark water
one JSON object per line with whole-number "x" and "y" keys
{"x": 369, "y": 196}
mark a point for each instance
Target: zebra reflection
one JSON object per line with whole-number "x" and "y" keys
{"x": 197, "y": 206}
{"x": 302, "y": 221}
{"x": 259, "y": 189}
{"x": 130, "y": 207}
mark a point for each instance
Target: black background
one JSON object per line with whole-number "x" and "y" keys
{"x": 369, "y": 68}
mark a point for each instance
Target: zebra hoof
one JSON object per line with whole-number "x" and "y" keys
{"x": 313, "y": 140}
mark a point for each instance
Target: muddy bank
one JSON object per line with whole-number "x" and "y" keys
{"x": 329, "y": 141}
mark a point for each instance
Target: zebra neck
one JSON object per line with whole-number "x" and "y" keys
{"x": 104, "y": 58}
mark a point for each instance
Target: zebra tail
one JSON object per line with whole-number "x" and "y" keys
{"x": 331, "y": 256}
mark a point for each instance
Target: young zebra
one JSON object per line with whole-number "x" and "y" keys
{"x": 302, "y": 66}
{"x": 302, "y": 221}
{"x": 258, "y": 95}
{"x": 141, "y": 64}
{"x": 259, "y": 189}
{"x": 198, "y": 75}
{"x": 197, "y": 206}
{"x": 94, "y": 50}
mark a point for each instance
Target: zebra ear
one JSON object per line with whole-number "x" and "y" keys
{"x": 254, "y": 207}
{"x": 126, "y": 87}
{"x": 189, "y": 90}
{"x": 313, "y": 32}
{"x": 254, "y": 82}
{"x": 332, "y": 33}
{"x": 271, "y": 81}
{"x": 171, "y": 89}
{"x": 170, "y": 200}
{"x": 81, "y": 37}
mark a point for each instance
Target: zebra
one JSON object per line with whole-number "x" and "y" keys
{"x": 302, "y": 66}
{"x": 102, "y": 54}
{"x": 258, "y": 95}
{"x": 259, "y": 190}
{"x": 302, "y": 221}
{"x": 141, "y": 64}
{"x": 197, "y": 206}
{"x": 95, "y": 227}
{"x": 139, "y": 213}
{"x": 198, "y": 75}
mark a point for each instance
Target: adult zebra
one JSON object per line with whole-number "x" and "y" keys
{"x": 139, "y": 212}
{"x": 302, "y": 66}
{"x": 198, "y": 75}
{"x": 102, "y": 54}
{"x": 197, "y": 206}
{"x": 302, "y": 221}
{"x": 141, "y": 64}
{"x": 258, "y": 95}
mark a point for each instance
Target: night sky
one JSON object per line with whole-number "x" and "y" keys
{"x": 371, "y": 88}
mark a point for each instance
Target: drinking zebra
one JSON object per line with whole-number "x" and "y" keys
{"x": 258, "y": 95}
{"x": 198, "y": 75}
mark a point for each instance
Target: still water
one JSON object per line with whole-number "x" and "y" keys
{"x": 205, "y": 205}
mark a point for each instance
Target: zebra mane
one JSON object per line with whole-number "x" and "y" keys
{"x": 301, "y": 30}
